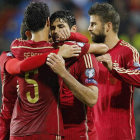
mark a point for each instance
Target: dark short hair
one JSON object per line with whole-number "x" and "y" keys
{"x": 106, "y": 13}
{"x": 23, "y": 29}
{"x": 36, "y": 15}
{"x": 66, "y": 15}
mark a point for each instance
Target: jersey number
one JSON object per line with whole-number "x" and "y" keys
{"x": 31, "y": 81}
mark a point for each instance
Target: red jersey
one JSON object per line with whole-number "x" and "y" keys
{"x": 9, "y": 96}
{"x": 37, "y": 108}
{"x": 114, "y": 113}
{"x": 77, "y": 117}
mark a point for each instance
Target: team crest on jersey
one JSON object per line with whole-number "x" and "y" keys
{"x": 90, "y": 81}
{"x": 9, "y": 54}
{"x": 136, "y": 64}
{"x": 80, "y": 44}
{"x": 90, "y": 72}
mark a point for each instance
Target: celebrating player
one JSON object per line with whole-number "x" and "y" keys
{"x": 79, "y": 90}
{"x": 36, "y": 114}
{"x": 119, "y": 73}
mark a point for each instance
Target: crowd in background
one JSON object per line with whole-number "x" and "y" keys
{"x": 11, "y": 15}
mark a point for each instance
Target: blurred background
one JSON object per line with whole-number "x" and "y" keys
{"x": 11, "y": 15}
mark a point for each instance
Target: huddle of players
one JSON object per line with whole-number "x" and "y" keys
{"x": 38, "y": 111}
{"x": 50, "y": 106}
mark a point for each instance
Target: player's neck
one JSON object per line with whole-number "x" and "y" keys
{"x": 111, "y": 40}
{"x": 40, "y": 36}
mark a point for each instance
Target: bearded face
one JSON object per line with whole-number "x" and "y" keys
{"x": 96, "y": 29}
{"x": 98, "y": 37}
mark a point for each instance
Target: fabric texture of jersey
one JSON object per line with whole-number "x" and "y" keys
{"x": 114, "y": 113}
{"x": 9, "y": 96}
{"x": 77, "y": 117}
{"x": 37, "y": 109}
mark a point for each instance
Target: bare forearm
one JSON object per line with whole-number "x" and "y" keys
{"x": 85, "y": 94}
{"x": 98, "y": 48}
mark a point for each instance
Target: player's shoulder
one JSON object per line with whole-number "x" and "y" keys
{"x": 126, "y": 46}
{"x": 87, "y": 58}
{"x": 5, "y": 56}
{"x": 87, "y": 61}
{"x": 19, "y": 42}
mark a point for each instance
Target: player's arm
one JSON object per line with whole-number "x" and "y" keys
{"x": 65, "y": 34}
{"x": 15, "y": 66}
{"x": 78, "y": 37}
{"x": 95, "y": 48}
{"x": 87, "y": 95}
{"x": 129, "y": 73}
{"x": 99, "y": 48}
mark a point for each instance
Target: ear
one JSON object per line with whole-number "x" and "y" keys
{"x": 74, "y": 28}
{"x": 48, "y": 22}
{"x": 108, "y": 26}
{"x": 28, "y": 34}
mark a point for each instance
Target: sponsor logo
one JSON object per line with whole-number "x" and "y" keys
{"x": 90, "y": 81}
{"x": 80, "y": 44}
{"x": 90, "y": 72}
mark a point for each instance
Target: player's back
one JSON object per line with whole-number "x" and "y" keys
{"x": 37, "y": 109}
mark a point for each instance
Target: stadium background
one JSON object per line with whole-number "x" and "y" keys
{"x": 11, "y": 14}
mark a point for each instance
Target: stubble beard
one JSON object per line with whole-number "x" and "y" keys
{"x": 100, "y": 38}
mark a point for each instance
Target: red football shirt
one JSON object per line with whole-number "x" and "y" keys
{"x": 37, "y": 108}
{"x": 114, "y": 113}
{"x": 9, "y": 96}
{"x": 77, "y": 117}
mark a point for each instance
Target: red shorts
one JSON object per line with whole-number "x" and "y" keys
{"x": 36, "y": 137}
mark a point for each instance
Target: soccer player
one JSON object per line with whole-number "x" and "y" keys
{"x": 79, "y": 88}
{"x": 119, "y": 73}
